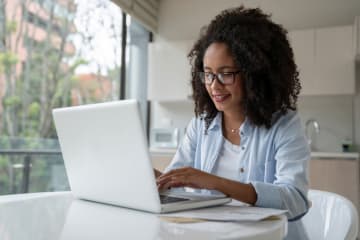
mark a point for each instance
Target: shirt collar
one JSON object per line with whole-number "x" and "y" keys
{"x": 246, "y": 127}
{"x": 216, "y": 124}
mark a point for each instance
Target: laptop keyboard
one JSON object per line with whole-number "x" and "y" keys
{"x": 167, "y": 199}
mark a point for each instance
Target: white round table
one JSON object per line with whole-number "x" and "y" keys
{"x": 58, "y": 215}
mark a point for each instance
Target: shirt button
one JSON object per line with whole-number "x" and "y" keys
{"x": 242, "y": 133}
{"x": 242, "y": 170}
{"x": 242, "y": 148}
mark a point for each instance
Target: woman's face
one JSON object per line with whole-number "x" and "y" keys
{"x": 227, "y": 98}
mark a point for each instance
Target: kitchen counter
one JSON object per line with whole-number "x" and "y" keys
{"x": 316, "y": 155}
{"x": 335, "y": 155}
{"x": 162, "y": 151}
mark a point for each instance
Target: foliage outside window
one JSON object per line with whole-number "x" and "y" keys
{"x": 53, "y": 53}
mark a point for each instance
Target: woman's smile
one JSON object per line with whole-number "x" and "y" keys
{"x": 219, "y": 98}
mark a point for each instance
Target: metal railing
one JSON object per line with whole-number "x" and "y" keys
{"x": 27, "y": 162}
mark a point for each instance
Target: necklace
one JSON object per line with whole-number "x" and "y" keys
{"x": 233, "y": 130}
{"x": 230, "y": 130}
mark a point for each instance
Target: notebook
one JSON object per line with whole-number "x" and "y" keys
{"x": 106, "y": 158}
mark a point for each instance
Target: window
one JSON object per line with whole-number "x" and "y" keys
{"x": 137, "y": 67}
{"x": 59, "y": 53}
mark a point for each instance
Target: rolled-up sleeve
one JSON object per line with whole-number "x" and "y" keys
{"x": 292, "y": 154}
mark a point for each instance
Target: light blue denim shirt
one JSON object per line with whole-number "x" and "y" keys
{"x": 274, "y": 161}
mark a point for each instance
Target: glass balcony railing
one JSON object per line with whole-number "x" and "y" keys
{"x": 31, "y": 165}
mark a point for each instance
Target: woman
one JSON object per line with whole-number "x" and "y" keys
{"x": 246, "y": 140}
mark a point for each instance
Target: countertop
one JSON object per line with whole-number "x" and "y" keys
{"x": 162, "y": 151}
{"x": 315, "y": 155}
{"x": 337, "y": 155}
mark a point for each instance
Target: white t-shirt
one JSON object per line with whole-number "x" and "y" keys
{"x": 228, "y": 165}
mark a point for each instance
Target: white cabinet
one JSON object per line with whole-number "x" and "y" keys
{"x": 334, "y": 60}
{"x": 326, "y": 60}
{"x": 357, "y": 37}
{"x": 169, "y": 71}
{"x": 303, "y": 44}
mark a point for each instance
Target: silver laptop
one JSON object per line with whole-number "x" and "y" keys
{"x": 107, "y": 160}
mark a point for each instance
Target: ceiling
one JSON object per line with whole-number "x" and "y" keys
{"x": 181, "y": 19}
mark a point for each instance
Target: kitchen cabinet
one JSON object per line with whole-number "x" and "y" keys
{"x": 326, "y": 60}
{"x": 169, "y": 71}
{"x": 161, "y": 161}
{"x": 334, "y": 60}
{"x": 357, "y": 37}
{"x": 336, "y": 175}
{"x": 303, "y": 45}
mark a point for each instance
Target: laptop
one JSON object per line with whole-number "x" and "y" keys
{"x": 106, "y": 158}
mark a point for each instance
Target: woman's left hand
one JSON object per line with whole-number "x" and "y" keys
{"x": 187, "y": 177}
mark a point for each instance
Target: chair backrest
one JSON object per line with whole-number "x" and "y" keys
{"x": 331, "y": 217}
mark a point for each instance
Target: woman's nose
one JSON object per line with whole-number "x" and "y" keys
{"x": 215, "y": 83}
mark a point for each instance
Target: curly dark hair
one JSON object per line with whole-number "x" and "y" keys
{"x": 262, "y": 52}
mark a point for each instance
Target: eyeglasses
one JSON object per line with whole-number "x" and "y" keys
{"x": 226, "y": 78}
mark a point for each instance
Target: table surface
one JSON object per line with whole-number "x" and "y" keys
{"x": 58, "y": 215}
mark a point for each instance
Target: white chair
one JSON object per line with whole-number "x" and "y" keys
{"x": 331, "y": 217}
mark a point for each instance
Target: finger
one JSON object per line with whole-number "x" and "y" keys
{"x": 186, "y": 180}
{"x": 174, "y": 182}
{"x": 170, "y": 176}
{"x": 170, "y": 172}
{"x": 165, "y": 186}
{"x": 175, "y": 171}
{"x": 160, "y": 187}
{"x": 181, "y": 180}
{"x": 165, "y": 180}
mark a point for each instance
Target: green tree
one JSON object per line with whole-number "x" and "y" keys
{"x": 35, "y": 77}
{"x": 42, "y": 79}
{"x": 37, "y": 69}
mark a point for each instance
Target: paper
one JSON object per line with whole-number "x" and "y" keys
{"x": 181, "y": 219}
{"x": 227, "y": 213}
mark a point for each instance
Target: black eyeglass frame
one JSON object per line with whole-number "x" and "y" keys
{"x": 219, "y": 76}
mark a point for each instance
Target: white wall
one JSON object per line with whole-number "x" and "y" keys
{"x": 335, "y": 117}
